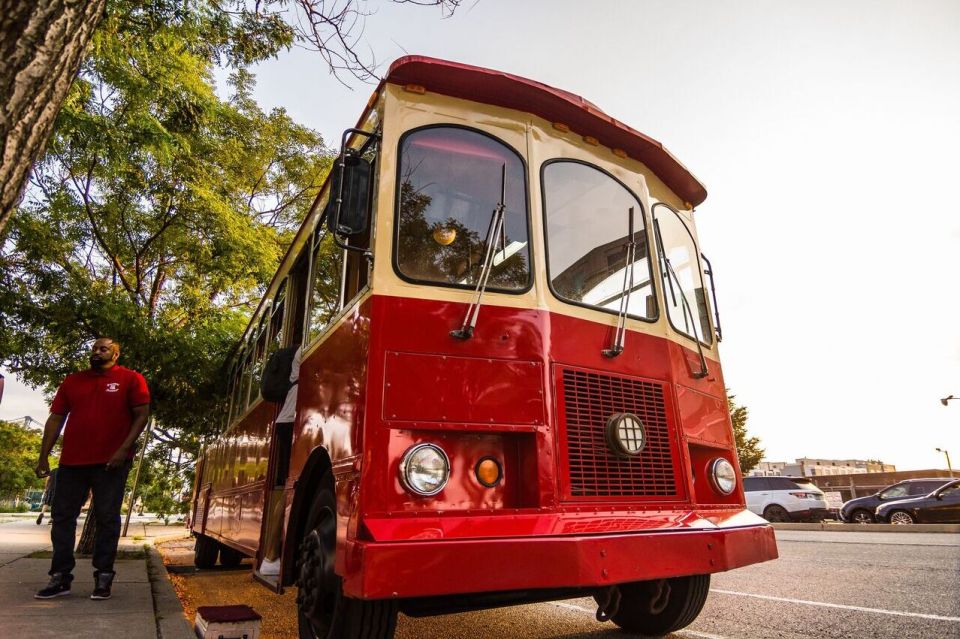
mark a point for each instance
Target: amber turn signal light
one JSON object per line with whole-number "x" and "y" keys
{"x": 489, "y": 472}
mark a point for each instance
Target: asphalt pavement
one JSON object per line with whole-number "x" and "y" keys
{"x": 143, "y": 605}
{"x": 825, "y": 585}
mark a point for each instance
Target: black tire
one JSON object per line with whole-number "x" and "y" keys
{"x": 323, "y": 611}
{"x": 230, "y": 558}
{"x": 861, "y": 516}
{"x": 776, "y": 513}
{"x": 657, "y": 608}
{"x": 205, "y": 551}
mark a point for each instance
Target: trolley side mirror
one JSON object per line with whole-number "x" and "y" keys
{"x": 348, "y": 209}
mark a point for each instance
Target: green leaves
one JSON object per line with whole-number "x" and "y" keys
{"x": 19, "y": 447}
{"x": 160, "y": 210}
{"x": 748, "y": 448}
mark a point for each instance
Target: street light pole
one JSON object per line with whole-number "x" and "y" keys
{"x": 136, "y": 479}
{"x": 945, "y": 452}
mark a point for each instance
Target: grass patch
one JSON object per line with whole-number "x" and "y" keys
{"x": 123, "y": 554}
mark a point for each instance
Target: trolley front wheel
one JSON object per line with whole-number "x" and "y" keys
{"x": 323, "y": 611}
{"x": 656, "y": 608}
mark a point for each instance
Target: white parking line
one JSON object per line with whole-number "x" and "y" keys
{"x": 879, "y": 611}
{"x": 592, "y": 611}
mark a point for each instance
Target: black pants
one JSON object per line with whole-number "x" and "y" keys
{"x": 73, "y": 485}
{"x": 284, "y": 437}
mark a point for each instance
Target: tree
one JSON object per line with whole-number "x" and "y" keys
{"x": 18, "y": 456}
{"x": 42, "y": 45}
{"x": 165, "y": 480}
{"x": 160, "y": 209}
{"x": 157, "y": 216}
{"x": 749, "y": 452}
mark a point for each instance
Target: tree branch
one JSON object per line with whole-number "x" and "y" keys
{"x": 158, "y": 281}
{"x": 85, "y": 193}
{"x": 169, "y": 217}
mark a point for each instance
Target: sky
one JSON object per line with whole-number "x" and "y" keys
{"x": 827, "y": 135}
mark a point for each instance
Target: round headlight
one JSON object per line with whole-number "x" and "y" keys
{"x": 625, "y": 434}
{"x": 424, "y": 469}
{"x": 722, "y": 476}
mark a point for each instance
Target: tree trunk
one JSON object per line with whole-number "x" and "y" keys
{"x": 41, "y": 46}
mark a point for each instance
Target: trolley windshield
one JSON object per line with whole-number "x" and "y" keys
{"x": 587, "y": 223}
{"x": 451, "y": 180}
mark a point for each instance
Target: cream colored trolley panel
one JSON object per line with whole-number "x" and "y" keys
{"x": 404, "y": 112}
{"x": 537, "y": 141}
{"x": 547, "y": 143}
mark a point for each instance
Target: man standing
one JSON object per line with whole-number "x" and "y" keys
{"x": 107, "y": 406}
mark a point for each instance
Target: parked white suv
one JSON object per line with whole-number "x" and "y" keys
{"x": 785, "y": 498}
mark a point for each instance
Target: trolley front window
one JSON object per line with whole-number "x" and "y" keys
{"x": 682, "y": 275}
{"x": 588, "y": 216}
{"x": 450, "y": 181}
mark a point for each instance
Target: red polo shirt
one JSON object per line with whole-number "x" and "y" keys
{"x": 98, "y": 407}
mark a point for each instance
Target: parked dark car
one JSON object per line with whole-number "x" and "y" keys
{"x": 861, "y": 509}
{"x": 942, "y": 506}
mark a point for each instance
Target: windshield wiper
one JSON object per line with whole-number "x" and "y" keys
{"x": 687, "y": 312}
{"x": 620, "y": 334}
{"x": 494, "y": 233}
{"x": 713, "y": 293}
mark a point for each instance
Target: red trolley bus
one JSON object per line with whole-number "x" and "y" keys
{"x": 510, "y": 388}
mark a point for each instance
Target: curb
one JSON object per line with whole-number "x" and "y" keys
{"x": 171, "y": 537}
{"x": 167, "y": 609}
{"x": 868, "y": 528}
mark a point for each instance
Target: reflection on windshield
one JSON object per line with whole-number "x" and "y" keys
{"x": 587, "y": 235}
{"x": 450, "y": 181}
{"x": 681, "y": 275}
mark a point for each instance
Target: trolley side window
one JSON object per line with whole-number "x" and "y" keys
{"x": 682, "y": 276}
{"x": 450, "y": 181}
{"x": 588, "y": 216}
{"x": 326, "y": 275}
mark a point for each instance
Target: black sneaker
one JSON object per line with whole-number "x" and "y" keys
{"x": 101, "y": 584}
{"x": 59, "y": 585}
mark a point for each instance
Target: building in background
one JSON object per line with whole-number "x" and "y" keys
{"x": 768, "y": 469}
{"x": 810, "y": 467}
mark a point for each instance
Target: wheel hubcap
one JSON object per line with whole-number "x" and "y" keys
{"x": 900, "y": 518}
{"x": 862, "y": 517}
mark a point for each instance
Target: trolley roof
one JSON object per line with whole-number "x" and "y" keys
{"x": 583, "y": 117}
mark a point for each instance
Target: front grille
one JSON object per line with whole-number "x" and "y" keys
{"x": 589, "y": 399}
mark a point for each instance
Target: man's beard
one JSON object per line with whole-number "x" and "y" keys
{"x": 97, "y": 363}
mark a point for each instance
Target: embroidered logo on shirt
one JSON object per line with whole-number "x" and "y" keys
{"x": 113, "y": 387}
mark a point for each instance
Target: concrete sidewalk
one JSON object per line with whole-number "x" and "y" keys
{"x": 143, "y": 605}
